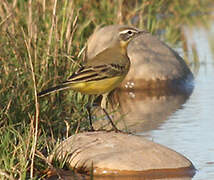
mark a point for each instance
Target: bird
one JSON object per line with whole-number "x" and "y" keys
{"x": 104, "y": 72}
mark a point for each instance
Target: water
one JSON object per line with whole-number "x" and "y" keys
{"x": 189, "y": 130}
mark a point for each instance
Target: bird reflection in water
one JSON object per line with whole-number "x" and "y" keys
{"x": 143, "y": 110}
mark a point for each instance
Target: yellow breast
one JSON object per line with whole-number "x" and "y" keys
{"x": 99, "y": 86}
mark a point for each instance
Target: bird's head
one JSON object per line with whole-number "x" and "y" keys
{"x": 126, "y": 34}
{"x": 112, "y": 36}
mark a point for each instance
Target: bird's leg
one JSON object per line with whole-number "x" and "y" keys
{"x": 88, "y": 107}
{"x": 90, "y": 118}
{"x": 103, "y": 106}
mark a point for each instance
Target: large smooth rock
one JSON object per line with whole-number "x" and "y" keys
{"x": 153, "y": 64}
{"x": 117, "y": 154}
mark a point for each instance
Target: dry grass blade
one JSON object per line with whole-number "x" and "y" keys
{"x": 36, "y": 118}
{"x": 5, "y": 19}
{"x": 51, "y": 30}
{"x": 74, "y": 26}
{"x": 5, "y": 174}
{"x": 36, "y": 114}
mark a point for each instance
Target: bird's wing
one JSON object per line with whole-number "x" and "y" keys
{"x": 95, "y": 73}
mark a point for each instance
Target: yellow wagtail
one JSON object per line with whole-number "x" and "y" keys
{"x": 104, "y": 72}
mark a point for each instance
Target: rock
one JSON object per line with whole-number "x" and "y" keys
{"x": 154, "y": 65}
{"x": 118, "y": 154}
{"x": 56, "y": 174}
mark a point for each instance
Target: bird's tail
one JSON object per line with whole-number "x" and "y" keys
{"x": 52, "y": 90}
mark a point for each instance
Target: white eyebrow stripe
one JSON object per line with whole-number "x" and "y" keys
{"x": 125, "y": 31}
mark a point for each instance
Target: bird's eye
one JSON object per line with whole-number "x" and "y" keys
{"x": 129, "y": 32}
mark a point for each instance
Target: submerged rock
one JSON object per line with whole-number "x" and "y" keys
{"x": 118, "y": 154}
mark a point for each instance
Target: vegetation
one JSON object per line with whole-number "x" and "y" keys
{"x": 41, "y": 43}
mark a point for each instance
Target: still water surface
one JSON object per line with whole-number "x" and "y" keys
{"x": 189, "y": 130}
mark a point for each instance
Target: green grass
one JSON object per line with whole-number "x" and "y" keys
{"x": 41, "y": 44}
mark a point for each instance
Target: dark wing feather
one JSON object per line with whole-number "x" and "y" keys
{"x": 96, "y": 73}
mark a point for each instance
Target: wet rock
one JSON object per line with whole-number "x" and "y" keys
{"x": 154, "y": 65}
{"x": 116, "y": 154}
{"x": 56, "y": 174}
